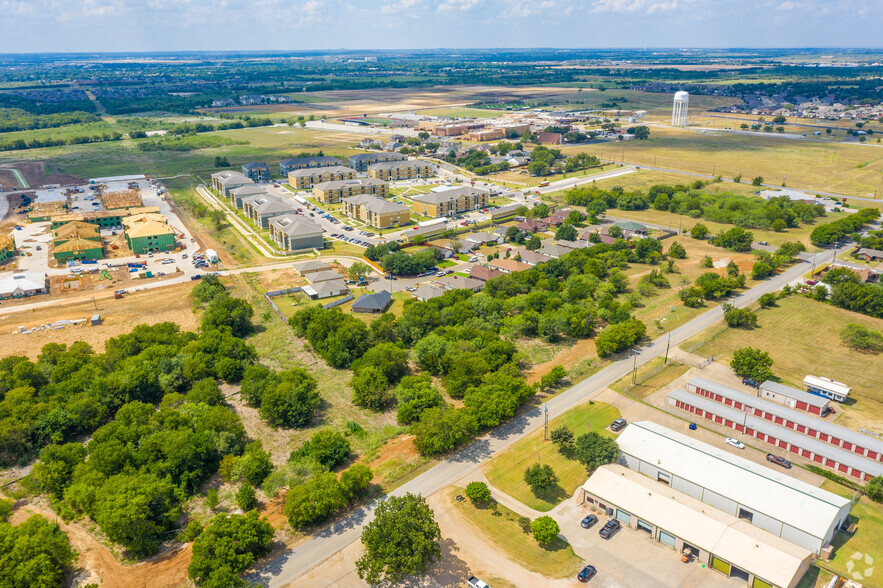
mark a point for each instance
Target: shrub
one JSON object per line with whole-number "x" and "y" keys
{"x": 860, "y": 338}
{"x": 739, "y": 317}
{"x": 246, "y": 499}
{"x": 544, "y": 529}
{"x": 540, "y": 477}
{"x": 677, "y": 251}
{"x": 478, "y": 492}
{"x": 562, "y": 437}
{"x": 753, "y": 363}
{"x": 327, "y": 447}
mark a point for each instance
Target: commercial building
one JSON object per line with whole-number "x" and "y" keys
{"x": 771, "y": 500}
{"x": 289, "y": 165}
{"x": 361, "y": 161}
{"x": 450, "y": 202}
{"x": 257, "y": 171}
{"x": 261, "y": 209}
{"x": 505, "y": 211}
{"x": 24, "y": 284}
{"x": 237, "y": 195}
{"x": 375, "y": 303}
{"x": 225, "y": 181}
{"x": 827, "y": 388}
{"x": 721, "y": 541}
{"x": 292, "y": 232}
{"x": 334, "y": 192}
{"x": 793, "y": 398}
{"x": 486, "y": 134}
{"x": 303, "y": 179}
{"x": 401, "y": 170}
{"x": 377, "y": 212}
{"x": 7, "y": 248}
{"x": 147, "y": 233}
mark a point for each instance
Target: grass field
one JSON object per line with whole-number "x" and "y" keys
{"x": 803, "y": 337}
{"x": 512, "y": 536}
{"x": 464, "y": 112}
{"x": 806, "y": 165}
{"x": 506, "y": 471}
{"x": 651, "y": 376}
{"x": 865, "y": 548}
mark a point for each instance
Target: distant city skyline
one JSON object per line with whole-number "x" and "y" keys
{"x": 207, "y": 25}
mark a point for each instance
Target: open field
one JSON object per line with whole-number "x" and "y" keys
{"x": 506, "y": 470}
{"x": 805, "y": 165}
{"x": 651, "y": 376}
{"x": 803, "y": 337}
{"x": 508, "y": 532}
{"x": 864, "y": 550}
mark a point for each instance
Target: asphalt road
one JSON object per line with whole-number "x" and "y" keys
{"x": 286, "y": 569}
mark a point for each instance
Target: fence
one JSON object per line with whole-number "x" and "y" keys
{"x": 268, "y": 296}
{"x": 343, "y": 300}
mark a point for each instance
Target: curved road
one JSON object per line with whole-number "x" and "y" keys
{"x": 287, "y": 568}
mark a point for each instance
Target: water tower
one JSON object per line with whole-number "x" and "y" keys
{"x": 679, "y": 109}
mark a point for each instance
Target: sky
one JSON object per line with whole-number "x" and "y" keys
{"x": 180, "y": 25}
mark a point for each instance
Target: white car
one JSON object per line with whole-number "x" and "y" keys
{"x": 735, "y": 443}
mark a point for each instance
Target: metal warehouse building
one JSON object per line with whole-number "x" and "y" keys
{"x": 721, "y": 541}
{"x": 788, "y": 508}
{"x": 793, "y": 398}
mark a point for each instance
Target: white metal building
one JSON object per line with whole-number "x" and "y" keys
{"x": 788, "y": 508}
{"x": 827, "y": 388}
{"x": 721, "y": 541}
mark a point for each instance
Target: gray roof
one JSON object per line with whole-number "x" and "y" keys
{"x": 481, "y": 237}
{"x": 328, "y": 286}
{"x": 336, "y": 184}
{"x": 459, "y": 282}
{"x": 375, "y": 204}
{"x": 427, "y": 291}
{"x": 374, "y": 301}
{"x": 310, "y": 265}
{"x": 798, "y": 417}
{"x": 256, "y": 165}
{"x": 630, "y": 226}
{"x": 377, "y": 156}
{"x": 232, "y": 178}
{"x": 788, "y": 391}
{"x": 447, "y": 195}
{"x": 295, "y": 225}
{"x": 250, "y": 190}
{"x": 534, "y": 257}
{"x": 399, "y": 164}
{"x": 873, "y": 468}
{"x": 572, "y": 244}
{"x": 306, "y": 160}
{"x": 270, "y": 204}
{"x": 870, "y": 252}
{"x": 318, "y": 171}
{"x": 323, "y": 276}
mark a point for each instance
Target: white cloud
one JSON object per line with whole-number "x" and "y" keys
{"x": 787, "y": 6}
{"x": 635, "y": 6}
{"x": 461, "y": 5}
{"x": 399, "y": 6}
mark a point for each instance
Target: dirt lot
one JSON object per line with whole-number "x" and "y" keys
{"x": 119, "y": 316}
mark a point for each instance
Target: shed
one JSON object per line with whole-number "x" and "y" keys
{"x": 96, "y": 320}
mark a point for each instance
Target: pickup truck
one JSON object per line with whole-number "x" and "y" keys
{"x": 476, "y": 583}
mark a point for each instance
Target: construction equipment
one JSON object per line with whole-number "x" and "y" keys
{"x": 104, "y": 276}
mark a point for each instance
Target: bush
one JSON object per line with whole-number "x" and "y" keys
{"x": 618, "y": 337}
{"x": 355, "y": 480}
{"x": 699, "y": 231}
{"x": 562, "y": 437}
{"x": 227, "y": 547}
{"x": 677, "y": 251}
{"x": 544, "y": 529}
{"x": 246, "y": 499}
{"x": 327, "y": 447}
{"x": 191, "y": 531}
{"x": 749, "y": 362}
{"x": 478, "y": 492}
{"x": 767, "y": 300}
{"x": 874, "y": 489}
{"x": 860, "y": 338}
{"x": 739, "y": 317}
{"x": 371, "y": 389}
{"x": 552, "y": 377}
{"x": 540, "y": 478}
{"x": 415, "y": 394}
{"x": 760, "y": 270}
{"x": 293, "y": 401}
{"x": 6, "y": 507}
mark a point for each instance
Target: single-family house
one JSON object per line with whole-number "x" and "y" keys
{"x": 484, "y": 273}
{"x": 460, "y": 283}
{"x": 375, "y": 303}
{"x": 507, "y": 266}
{"x": 309, "y": 267}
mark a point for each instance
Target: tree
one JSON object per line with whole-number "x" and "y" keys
{"x": 355, "y": 480}
{"x": 566, "y": 233}
{"x": 562, "y": 437}
{"x": 540, "y": 477}
{"x": 255, "y": 464}
{"x": 357, "y": 271}
{"x": 291, "y": 403}
{"x": 227, "y": 547}
{"x": 34, "y": 553}
{"x": 478, "y": 492}
{"x": 677, "y": 251}
{"x": 441, "y": 429}
{"x": 415, "y": 394}
{"x": 757, "y": 181}
{"x": 206, "y": 391}
{"x": 593, "y": 450}
{"x": 403, "y": 539}
{"x": 861, "y": 338}
{"x": 246, "y": 499}
{"x": 619, "y": 337}
{"x": 533, "y": 243}
{"x": 544, "y": 529}
{"x": 371, "y": 388}
{"x": 874, "y": 489}
{"x": 553, "y": 376}
{"x": 735, "y": 239}
{"x": 761, "y": 270}
{"x": 235, "y": 313}
{"x": 314, "y": 501}
{"x": 767, "y": 300}
{"x": 753, "y": 363}
{"x": 739, "y": 317}
{"x": 641, "y": 132}
{"x": 55, "y": 469}
{"x": 328, "y": 447}
{"x": 699, "y": 231}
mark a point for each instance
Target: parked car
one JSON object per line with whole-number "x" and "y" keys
{"x": 609, "y": 529}
{"x": 474, "y": 582}
{"x": 750, "y": 382}
{"x": 618, "y": 425}
{"x": 587, "y": 522}
{"x": 586, "y": 574}
{"x": 778, "y": 461}
{"x": 764, "y": 243}
{"x": 735, "y": 443}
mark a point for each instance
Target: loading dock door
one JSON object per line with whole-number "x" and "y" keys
{"x": 758, "y": 583}
{"x": 720, "y": 565}
{"x": 666, "y": 538}
{"x": 624, "y": 517}
{"x": 646, "y": 527}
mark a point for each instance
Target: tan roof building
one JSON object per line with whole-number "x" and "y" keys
{"x": 377, "y": 212}
{"x": 76, "y": 230}
{"x": 450, "y": 202}
{"x": 507, "y": 266}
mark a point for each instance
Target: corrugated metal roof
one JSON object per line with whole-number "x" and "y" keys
{"x": 760, "y": 488}
{"x": 794, "y": 393}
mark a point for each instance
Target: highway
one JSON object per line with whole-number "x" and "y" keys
{"x": 287, "y": 568}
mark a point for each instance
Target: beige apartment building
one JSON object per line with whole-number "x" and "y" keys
{"x": 304, "y": 179}
{"x": 450, "y": 202}
{"x": 401, "y": 170}
{"x": 334, "y": 192}
{"x": 377, "y": 212}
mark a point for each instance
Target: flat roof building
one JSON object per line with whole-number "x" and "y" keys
{"x": 827, "y": 388}
{"x": 793, "y": 398}
{"x": 784, "y": 506}
{"x": 723, "y": 542}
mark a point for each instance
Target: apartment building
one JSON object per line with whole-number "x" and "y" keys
{"x": 450, "y": 202}
{"x": 289, "y": 165}
{"x": 304, "y": 179}
{"x": 334, "y": 192}
{"x": 377, "y": 212}
{"x": 361, "y": 161}
{"x": 401, "y": 170}
{"x": 226, "y": 181}
{"x": 257, "y": 171}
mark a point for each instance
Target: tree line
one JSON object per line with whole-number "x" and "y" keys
{"x": 22, "y": 144}
{"x": 16, "y": 119}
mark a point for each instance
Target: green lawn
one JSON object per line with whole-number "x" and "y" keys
{"x": 803, "y": 337}
{"x": 511, "y": 534}
{"x": 651, "y": 376}
{"x": 506, "y": 471}
{"x": 867, "y": 541}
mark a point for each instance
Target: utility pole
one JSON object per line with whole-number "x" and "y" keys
{"x": 667, "y": 347}
{"x": 546, "y": 429}
{"x": 635, "y": 368}
{"x": 95, "y": 303}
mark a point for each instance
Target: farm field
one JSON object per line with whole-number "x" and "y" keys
{"x": 506, "y": 470}
{"x": 804, "y": 165}
{"x": 803, "y": 337}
